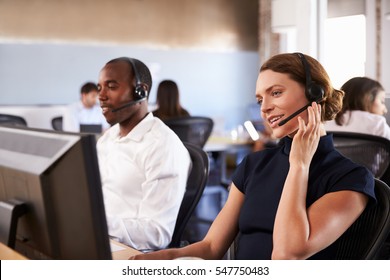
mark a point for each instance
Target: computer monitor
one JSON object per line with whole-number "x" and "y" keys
{"x": 91, "y": 128}
{"x": 57, "y": 175}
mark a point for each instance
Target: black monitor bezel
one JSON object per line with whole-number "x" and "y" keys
{"x": 87, "y": 144}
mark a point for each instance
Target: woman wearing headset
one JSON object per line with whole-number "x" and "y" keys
{"x": 293, "y": 201}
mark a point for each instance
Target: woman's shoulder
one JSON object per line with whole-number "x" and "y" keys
{"x": 377, "y": 123}
{"x": 359, "y": 114}
{"x": 362, "y": 122}
{"x": 348, "y": 174}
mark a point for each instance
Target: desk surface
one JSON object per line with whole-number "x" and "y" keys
{"x": 6, "y": 253}
{"x": 119, "y": 252}
{"x": 219, "y": 143}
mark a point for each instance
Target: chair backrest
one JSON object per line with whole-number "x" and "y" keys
{"x": 196, "y": 183}
{"x": 12, "y": 120}
{"x": 368, "y": 233}
{"x": 195, "y": 130}
{"x": 368, "y": 150}
{"x": 56, "y": 123}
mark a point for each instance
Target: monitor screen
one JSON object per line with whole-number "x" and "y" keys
{"x": 91, "y": 128}
{"x": 57, "y": 175}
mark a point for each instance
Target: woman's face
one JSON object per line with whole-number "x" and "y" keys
{"x": 378, "y": 106}
{"x": 280, "y": 96}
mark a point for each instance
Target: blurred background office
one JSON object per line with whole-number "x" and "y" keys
{"x": 85, "y": 111}
{"x": 213, "y": 48}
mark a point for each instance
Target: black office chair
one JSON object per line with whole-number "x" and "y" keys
{"x": 365, "y": 238}
{"x": 195, "y": 130}
{"x": 12, "y": 120}
{"x": 195, "y": 185}
{"x": 370, "y": 151}
{"x": 56, "y": 123}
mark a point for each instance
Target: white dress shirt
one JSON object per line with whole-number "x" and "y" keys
{"x": 361, "y": 122}
{"x": 76, "y": 114}
{"x": 144, "y": 176}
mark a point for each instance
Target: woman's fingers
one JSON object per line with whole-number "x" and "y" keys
{"x": 311, "y": 129}
{"x": 314, "y": 117}
{"x": 301, "y": 126}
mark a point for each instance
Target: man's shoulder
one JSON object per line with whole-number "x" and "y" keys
{"x": 161, "y": 128}
{"x": 164, "y": 136}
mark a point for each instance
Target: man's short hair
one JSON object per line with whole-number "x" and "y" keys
{"x": 141, "y": 68}
{"x": 88, "y": 87}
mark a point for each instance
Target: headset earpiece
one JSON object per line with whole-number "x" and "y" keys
{"x": 140, "y": 90}
{"x": 313, "y": 91}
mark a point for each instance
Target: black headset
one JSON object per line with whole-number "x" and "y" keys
{"x": 140, "y": 93}
{"x": 313, "y": 91}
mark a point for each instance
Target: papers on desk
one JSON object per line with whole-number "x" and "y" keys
{"x": 120, "y": 251}
{"x": 115, "y": 247}
{"x": 220, "y": 143}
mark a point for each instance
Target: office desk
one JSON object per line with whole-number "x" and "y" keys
{"x": 226, "y": 154}
{"x": 119, "y": 252}
{"x": 6, "y": 253}
{"x": 221, "y": 144}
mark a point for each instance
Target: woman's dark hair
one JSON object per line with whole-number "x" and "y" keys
{"x": 291, "y": 64}
{"x": 168, "y": 101}
{"x": 360, "y": 93}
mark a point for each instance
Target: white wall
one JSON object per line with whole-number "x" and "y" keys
{"x": 385, "y": 67}
{"x": 290, "y": 15}
{"x": 38, "y": 116}
{"x": 215, "y": 84}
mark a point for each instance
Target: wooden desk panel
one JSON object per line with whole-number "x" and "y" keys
{"x": 7, "y": 253}
{"x": 120, "y": 252}
{"x": 221, "y": 144}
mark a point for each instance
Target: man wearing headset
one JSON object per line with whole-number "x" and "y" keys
{"x": 143, "y": 164}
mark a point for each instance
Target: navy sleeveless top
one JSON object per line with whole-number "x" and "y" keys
{"x": 261, "y": 176}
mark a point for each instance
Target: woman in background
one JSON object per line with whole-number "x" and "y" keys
{"x": 168, "y": 101}
{"x": 363, "y": 109}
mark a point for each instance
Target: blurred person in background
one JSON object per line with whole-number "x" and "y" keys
{"x": 363, "y": 109}
{"x": 84, "y": 111}
{"x": 168, "y": 101}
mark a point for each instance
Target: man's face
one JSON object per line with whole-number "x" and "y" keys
{"x": 89, "y": 99}
{"x": 115, "y": 90}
